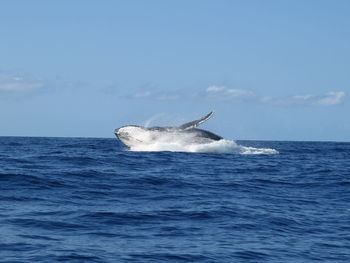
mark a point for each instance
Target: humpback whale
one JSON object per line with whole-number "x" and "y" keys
{"x": 133, "y": 135}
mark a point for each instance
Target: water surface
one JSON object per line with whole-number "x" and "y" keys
{"x": 91, "y": 200}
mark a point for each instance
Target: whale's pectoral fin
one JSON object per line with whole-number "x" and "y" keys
{"x": 194, "y": 124}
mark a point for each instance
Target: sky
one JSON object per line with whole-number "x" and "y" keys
{"x": 271, "y": 70}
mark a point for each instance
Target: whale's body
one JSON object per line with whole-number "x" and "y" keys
{"x": 133, "y": 135}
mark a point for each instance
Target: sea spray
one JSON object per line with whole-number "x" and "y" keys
{"x": 150, "y": 120}
{"x": 183, "y": 143}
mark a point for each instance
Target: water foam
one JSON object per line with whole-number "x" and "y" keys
{"x": 183, "y": 144}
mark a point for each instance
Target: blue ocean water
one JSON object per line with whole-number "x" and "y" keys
{"x": 92, "y": 200}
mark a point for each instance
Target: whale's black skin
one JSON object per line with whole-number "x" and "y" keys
{"x": 132, "y": 135}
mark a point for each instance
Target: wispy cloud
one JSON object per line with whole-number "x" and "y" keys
{"x": 328, "y": 99}
{"x": 222, "y": 93}
{"x": 15, "y": 84}
{"x": 157, "y": 95}
{"x": 227, "y": 94}
{"x": 219, "y": 93}
{"x": 331, "y": 98}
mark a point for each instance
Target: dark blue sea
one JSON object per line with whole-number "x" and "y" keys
{"x": 93, "y": 200}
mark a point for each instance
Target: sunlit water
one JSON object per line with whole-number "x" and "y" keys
{"x": 92, "y": 200}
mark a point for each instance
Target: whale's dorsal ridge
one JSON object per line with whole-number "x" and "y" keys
{"x": 194, "y": 124}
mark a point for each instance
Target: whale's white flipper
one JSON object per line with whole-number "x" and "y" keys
{"x": 194, "y": 124}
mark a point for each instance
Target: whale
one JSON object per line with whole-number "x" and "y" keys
{"x": 188, "y": 133}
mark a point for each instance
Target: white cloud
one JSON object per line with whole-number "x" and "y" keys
{"x": 144, "y": 94}
{"x": 166, "y": 96}
{"x": 14, "y": 84}
{"x": 303, "y": 97}
{"x": 157, "y": 95}
{"x": 223, "y": 93}
{"x": 266, "y": 99}
{"x": 215, "y": 88}
{"x": 226, "y": 94}
{"x": 331, "y": 98}
{"x": 328, "y": 99}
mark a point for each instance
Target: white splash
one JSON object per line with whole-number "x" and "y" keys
{"x": 150, "y": 120}
{"x": 183, "y": 143}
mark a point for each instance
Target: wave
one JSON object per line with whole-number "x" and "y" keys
{"x": 221, "y": 146}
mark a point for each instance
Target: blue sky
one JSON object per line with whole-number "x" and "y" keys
{"x": 271, "y": 70}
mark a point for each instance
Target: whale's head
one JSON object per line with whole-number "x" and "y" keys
{"x": 132, "y": 135}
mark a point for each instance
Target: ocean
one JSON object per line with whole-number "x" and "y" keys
{"x": 93, "y": 200}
